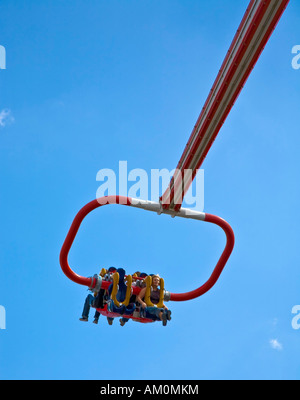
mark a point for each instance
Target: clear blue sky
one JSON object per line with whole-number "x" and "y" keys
{"x": 90, "y": 83}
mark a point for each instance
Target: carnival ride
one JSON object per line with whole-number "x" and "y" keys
{"x": 255, "y": 29}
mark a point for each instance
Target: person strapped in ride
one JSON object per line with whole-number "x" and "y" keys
{"x": 154, "y": 312}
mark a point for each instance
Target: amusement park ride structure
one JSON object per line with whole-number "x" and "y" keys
{"x": 255, "y": 29}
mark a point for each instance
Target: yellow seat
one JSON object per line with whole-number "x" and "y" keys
{"x": 115, "y": 289}
{"x": 149, "y": 303}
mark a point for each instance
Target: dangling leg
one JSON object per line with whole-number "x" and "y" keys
{"x": 86, "y": 309}
{"x": 96, "y": 317}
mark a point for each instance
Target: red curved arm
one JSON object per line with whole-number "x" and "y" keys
{"x": 73, "y": 232}
{"x": 220, "y": 265}
{"x": 128, "y": 202}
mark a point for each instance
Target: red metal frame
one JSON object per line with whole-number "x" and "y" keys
{"x": 220, "y": 265}
{"x": 73, "y": 232}
{"x": 128, "y": 202}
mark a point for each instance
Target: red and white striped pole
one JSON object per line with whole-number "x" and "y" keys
{"x": 252, "y": 36}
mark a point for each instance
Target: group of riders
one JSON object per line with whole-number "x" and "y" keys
{"x": 146, "y": 303}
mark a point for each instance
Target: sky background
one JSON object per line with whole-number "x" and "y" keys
{"x": 91, "y": 83}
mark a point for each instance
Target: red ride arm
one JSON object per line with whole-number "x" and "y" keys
{"x": 220, "y": 265}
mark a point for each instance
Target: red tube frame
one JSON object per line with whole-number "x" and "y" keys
{"x": 90, "y": 282}
{"x": 230, "y": 240}
{"x": 73, "y": 232}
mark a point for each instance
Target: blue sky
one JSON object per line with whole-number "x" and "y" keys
{"x": 91, "y": 83}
